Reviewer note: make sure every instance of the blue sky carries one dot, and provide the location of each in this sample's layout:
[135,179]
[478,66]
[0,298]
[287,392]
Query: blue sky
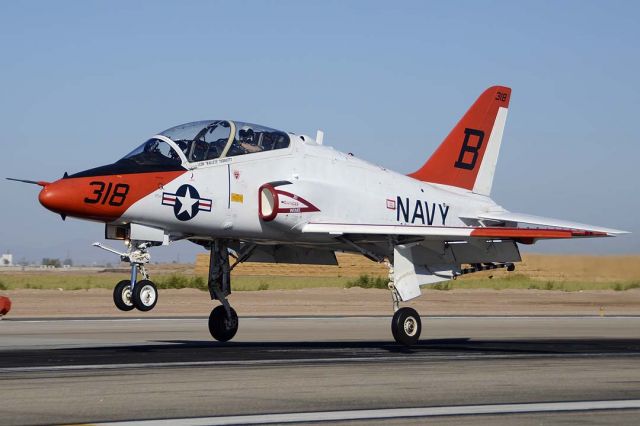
[85,82]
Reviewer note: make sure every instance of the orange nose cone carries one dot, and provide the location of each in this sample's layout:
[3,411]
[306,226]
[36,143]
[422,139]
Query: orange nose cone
[52,198]
[85,198]
[63,197]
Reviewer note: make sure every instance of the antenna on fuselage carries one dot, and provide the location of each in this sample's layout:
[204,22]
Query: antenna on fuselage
[319,137]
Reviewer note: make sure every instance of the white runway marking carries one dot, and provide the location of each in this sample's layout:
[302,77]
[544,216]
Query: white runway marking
[391,413]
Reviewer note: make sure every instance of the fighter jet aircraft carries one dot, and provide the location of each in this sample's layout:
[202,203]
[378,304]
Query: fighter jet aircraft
[263,195]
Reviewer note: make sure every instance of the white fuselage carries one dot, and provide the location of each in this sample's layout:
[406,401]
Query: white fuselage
[343,188]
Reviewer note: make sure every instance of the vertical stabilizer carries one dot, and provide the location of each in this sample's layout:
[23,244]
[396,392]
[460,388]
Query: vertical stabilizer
[468,156]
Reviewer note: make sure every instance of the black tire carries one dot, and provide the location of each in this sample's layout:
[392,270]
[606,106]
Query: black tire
[406,326]
[145,295]
[222,328]
[122,296]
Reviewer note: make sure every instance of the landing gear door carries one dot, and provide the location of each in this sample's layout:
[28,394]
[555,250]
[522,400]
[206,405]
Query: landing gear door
[411,270]
[145,233]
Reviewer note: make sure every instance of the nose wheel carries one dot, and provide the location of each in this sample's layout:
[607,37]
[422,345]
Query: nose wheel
[122,296]
[145,295]
[143,298]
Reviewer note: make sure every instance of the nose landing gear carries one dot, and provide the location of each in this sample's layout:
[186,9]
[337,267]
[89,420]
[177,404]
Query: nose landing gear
[129,294]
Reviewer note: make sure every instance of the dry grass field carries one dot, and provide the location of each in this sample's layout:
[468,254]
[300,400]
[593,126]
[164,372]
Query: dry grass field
[561,272]
[539,272]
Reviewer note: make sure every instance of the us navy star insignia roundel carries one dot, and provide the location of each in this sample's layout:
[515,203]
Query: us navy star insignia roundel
[186,202]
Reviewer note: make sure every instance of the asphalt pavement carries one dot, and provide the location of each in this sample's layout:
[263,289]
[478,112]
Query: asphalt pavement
[509,370]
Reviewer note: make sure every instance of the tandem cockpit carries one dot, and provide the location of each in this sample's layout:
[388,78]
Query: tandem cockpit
[202,141]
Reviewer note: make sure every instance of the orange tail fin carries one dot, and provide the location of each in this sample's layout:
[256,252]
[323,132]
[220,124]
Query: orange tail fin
[468,156]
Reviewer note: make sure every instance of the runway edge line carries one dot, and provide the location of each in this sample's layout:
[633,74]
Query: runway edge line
[538,407]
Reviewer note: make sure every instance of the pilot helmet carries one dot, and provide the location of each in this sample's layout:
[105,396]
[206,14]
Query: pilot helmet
[246,134]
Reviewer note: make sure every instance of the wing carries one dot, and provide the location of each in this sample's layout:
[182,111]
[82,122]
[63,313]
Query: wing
[436,253]
[505,226]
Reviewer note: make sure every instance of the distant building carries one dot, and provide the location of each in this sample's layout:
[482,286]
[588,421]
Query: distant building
[6,260]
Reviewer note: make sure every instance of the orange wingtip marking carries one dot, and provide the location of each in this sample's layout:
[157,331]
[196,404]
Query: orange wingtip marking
[528,235]
[521,233]
[588,234]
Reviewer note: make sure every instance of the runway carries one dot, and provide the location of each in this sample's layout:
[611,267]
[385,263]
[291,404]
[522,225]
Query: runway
[466,370]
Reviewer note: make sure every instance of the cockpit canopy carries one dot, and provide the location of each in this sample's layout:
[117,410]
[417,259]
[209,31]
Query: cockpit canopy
[208,140]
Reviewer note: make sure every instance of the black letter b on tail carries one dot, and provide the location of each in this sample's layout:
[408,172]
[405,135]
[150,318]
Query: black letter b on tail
[471,149]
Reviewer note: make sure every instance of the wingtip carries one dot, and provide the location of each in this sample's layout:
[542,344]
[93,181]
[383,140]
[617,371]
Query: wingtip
[617,233]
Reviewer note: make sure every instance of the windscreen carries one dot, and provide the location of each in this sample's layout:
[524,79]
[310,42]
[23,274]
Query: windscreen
[153,152]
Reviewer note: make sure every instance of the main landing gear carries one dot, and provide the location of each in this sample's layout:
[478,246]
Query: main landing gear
[405,324]
[130,294]
[223,321]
